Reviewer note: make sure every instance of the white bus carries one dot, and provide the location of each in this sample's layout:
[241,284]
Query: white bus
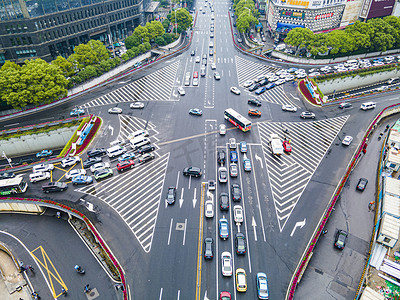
[237,119]
[16,185]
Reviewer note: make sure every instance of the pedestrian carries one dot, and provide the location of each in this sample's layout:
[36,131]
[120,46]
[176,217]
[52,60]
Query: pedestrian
[325,231]
[58,215]
[369,206]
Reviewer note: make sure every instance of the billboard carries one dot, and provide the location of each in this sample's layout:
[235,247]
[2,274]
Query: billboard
[380,8]
[293,14]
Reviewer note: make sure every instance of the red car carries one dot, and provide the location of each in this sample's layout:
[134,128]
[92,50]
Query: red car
[127,164]
[225,296]
[195,75]
[287,147]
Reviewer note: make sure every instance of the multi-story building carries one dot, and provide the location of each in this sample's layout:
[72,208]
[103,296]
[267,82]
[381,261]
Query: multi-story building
[49,28]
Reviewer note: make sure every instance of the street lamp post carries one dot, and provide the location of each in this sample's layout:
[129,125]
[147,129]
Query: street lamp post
[8,159]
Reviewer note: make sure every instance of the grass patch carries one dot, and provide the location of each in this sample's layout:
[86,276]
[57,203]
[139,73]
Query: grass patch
[73,138]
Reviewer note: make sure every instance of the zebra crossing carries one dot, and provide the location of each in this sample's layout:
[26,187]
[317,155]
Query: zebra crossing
[277,96]
[289,174]
[129,124]
[157,86]
[249,70]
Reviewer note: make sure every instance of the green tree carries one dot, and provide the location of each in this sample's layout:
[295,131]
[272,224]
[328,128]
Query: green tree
[381,37]
[125,56]
[10,65]
[183,18]
[66,67]
[142,33]
[154,29]
[395,23]
[88,54]
[242,24]
[87,73]
[160,41]
[141,48]
[168,37]
[133,52]
[299,37]
[132,41]
[147,46]
[165,24]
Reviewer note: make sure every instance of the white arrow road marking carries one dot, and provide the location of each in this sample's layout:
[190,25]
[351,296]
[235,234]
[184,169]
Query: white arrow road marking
[238,226]
[298,224]
[253,223]
[259,159]
[166,203]
[111,129]
[174,94]
[205,296]
[194,198]
[181,200]
[294,96]
[190,180]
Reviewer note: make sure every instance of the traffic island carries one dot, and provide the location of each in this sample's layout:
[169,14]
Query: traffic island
[310,91]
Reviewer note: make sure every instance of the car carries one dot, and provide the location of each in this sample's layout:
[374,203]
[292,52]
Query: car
[126,156]
[69,161]
[44,153]
[226,263]
[42,168]
[202,71]
[262,286]
[211,52]
[82,179]
[77,112]
[192,171]
[225,296]
[146,157]
[288,78]
[243,146]
[91,161]
[224,201]
[103,173]
[307,115]
[209,209]
[222,129]
[254,87]
[362,184]
[382,88]
[240,243]
[204,61]
[259,78]
[270,85]
[193,53]
[6,175]
[99,166]
[54,186]
[211,34]
[75,172]
[260,90]
[241,281]
[208,248]
[340,239]
[137,105]
[181,91]
[232,143]
[287,147]
[238,214]
[347,140]
[222,175]
[254,113]
[292,70]
[301,75]
[223,228]
[247,165]
[233,170]
[289,107]
[126,164]
[213,66]
[248,83]
[233,156]
[195,81]
[273,78]
[318,73]
[211,185]
[235,90]
[221,156]
[280,81]
[345,105]
[171,195]
[146,148]
[217,76]
[197,59]
[195,75]
[115,110]
[195,112]
[96,152]
[236,192]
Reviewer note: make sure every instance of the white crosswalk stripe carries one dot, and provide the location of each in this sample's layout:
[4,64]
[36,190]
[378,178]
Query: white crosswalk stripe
[277,96]
[249,70]
[131,124]
[157,86]
[289,174]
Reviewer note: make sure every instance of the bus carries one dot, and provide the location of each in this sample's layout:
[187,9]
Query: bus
[237,119]
[16,185]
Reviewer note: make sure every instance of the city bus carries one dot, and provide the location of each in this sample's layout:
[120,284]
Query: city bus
[237,119]
[16,185]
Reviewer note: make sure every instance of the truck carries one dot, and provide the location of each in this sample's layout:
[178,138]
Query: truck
[276,144]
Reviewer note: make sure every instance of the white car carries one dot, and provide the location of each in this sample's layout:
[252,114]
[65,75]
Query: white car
[299,71]
[222,174]
[138,105]
[209,209]
[195,82]
[238,214]
[197,59]
[280,81]
[213,66]
[235,90]
[281,71]
[269,75]
[42,168]
[222,129]
[315,74]
[284,75]
[181,91]
[71,174]
[378,63]
[273,78]
[226,264]
[347,140]
[301,75]
[115,110]
[99,166]
[233,170]
[259,78]
[289,107]
[290,77]
[248,83]
[69,161]
[232,143]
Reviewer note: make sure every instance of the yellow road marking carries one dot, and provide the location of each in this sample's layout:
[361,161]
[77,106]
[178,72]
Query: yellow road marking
[200,245]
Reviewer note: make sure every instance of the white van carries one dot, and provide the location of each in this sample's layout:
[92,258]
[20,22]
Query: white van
[351,62]
[115,143]
[135,134]
[280,47]
[38,176]
[139,142]
[368,105]
[115,151]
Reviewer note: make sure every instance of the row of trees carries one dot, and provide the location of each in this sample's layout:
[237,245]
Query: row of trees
[246,13]
[373,35]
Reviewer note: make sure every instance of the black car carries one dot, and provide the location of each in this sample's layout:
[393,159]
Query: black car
[6,175]
[96,152]
[208,248]
[171,195]
[254,102]
[254,87]
[192,171]
[146,148]
[345,105]
[91,161]
[146,157]
[240,243]
[362,184]
[224,201]
[264,82]
[340,239]
[55,186]
[236,192]
[221,157]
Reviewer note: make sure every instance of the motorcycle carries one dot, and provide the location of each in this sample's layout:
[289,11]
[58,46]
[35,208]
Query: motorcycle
[79,269]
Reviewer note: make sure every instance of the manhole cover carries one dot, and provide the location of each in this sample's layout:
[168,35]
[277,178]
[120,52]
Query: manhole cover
[180,226]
